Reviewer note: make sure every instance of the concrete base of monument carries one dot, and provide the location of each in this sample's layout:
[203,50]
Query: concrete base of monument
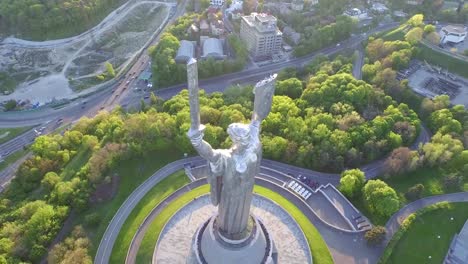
[210,246]
[174,244]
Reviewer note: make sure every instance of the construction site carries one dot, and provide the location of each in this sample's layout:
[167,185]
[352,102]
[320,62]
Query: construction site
[45,71]
[430,80]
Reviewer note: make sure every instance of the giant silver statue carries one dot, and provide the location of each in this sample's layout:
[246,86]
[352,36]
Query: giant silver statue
[232,171]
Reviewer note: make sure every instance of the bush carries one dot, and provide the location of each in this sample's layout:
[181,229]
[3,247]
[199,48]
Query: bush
[452,181]
[376,235]
[414,192]
[10,105]
[92,219]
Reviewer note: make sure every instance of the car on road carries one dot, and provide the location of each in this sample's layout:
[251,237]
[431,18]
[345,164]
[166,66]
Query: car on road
[146,97]
[60,121]
[127,82]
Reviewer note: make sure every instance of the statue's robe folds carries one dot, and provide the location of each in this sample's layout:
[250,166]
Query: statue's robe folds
[232,178]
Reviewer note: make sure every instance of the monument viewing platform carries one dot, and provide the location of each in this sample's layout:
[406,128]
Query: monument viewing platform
[175,240]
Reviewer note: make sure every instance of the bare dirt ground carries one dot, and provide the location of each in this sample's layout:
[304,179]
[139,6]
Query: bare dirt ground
[63,68]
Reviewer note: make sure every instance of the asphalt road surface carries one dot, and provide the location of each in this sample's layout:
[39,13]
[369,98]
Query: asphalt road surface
[76,109]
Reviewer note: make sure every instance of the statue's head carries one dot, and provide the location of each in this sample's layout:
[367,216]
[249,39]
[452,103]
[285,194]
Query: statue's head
[239,134]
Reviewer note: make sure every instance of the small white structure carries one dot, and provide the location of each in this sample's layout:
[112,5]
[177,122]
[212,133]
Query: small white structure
[357,14]
[216,2]
[297,5]
[414,2]
[312,2]
[213,48]
[185,52]
[452,33]
[379,8]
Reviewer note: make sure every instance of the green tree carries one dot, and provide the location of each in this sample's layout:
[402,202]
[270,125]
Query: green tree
[290,87]
[10,105]
[416,20]
[380,198]
[50,180]
[351,182]
[414,35]
[110,69]
[429,29]
[441,149]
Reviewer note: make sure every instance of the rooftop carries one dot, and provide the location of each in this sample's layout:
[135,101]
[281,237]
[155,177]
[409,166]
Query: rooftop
[212,47]
[262,22]
[455,29]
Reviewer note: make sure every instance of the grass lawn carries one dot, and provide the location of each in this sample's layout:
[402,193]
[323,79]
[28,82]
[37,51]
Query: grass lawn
[145,252]
[421,241]
[10,133]
[431,178]
[396,34]
[144,207]
[78,161]
[318,247]
[13,158]
[132,173]
[453,65]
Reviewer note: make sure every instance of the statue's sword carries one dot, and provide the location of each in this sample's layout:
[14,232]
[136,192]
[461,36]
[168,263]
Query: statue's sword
[192,80]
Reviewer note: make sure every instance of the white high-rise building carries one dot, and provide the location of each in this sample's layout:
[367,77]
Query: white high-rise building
[261,34]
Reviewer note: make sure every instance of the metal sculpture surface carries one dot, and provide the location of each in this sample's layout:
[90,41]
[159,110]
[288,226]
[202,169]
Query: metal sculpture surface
[232,170]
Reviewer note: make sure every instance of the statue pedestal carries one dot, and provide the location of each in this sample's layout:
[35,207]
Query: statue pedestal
[209,246]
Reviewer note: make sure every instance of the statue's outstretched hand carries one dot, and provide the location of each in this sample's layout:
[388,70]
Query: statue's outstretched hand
[196,134]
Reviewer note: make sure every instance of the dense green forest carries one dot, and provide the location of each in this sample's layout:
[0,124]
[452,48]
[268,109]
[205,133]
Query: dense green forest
[46,19]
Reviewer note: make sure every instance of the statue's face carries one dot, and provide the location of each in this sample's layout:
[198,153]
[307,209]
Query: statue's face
[239,134]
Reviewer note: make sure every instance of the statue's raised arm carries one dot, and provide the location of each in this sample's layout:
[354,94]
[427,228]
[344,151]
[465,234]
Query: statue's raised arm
[195,133]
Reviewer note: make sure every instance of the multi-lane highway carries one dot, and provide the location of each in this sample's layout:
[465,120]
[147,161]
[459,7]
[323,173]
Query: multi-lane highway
[215,84]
